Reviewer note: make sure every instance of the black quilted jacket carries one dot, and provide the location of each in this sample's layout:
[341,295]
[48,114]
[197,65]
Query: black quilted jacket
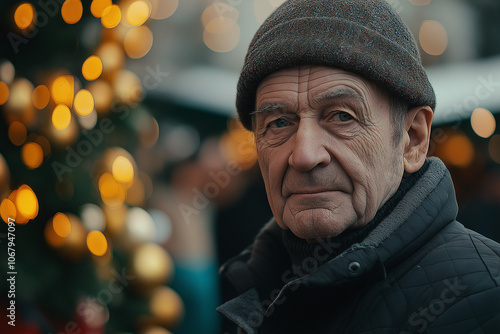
[418,271]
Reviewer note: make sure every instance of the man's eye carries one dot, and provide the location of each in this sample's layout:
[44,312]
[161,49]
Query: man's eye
[279,123]
[342,116]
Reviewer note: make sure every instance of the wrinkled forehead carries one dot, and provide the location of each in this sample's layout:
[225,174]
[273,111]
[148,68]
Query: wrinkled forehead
[316,80]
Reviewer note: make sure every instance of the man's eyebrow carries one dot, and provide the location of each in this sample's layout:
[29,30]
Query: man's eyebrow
[269,108]
[338,94]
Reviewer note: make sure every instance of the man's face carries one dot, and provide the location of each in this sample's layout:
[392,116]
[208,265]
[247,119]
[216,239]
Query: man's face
[325,149]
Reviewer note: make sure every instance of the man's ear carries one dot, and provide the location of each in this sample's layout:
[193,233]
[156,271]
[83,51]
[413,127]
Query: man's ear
[418,129]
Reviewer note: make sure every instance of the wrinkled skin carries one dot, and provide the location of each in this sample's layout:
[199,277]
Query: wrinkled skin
[325,146]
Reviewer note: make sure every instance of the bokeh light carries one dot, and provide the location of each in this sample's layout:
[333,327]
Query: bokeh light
[4,92]
[161,9]
[127,87]
[152,264]
[61,225]
[483,122]
[148,130]
[7,71]
[138,12]
[103,95]
[138,42]
[238,145]
[111,55]
[167,306]
[63,90]
[66,136]
[71,11]
[32,155]
[27,202]
[19,101]
[111,16]
[122,169]
[17,133]
[51,236]
[457,150]
[97,243]
[136,193]
[112,192]
[221,34]
[433,37]
[97,7]
[180,141]
[89,121]
[25,16]
[92,68]
[163,225]
[20,219]
[61,117]
[41,96]
[219,11]
[140,226]
[93,217]
[84,102]
[73,246]
[8,210]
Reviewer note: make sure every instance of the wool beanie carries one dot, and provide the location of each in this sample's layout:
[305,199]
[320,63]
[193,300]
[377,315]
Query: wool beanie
[365,37]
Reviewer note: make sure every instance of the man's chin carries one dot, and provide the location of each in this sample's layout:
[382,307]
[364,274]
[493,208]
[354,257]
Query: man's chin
[316,227]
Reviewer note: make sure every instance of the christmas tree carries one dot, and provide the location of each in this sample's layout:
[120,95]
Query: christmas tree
[78,251]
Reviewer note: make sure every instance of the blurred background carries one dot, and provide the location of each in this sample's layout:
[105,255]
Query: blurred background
[127,180]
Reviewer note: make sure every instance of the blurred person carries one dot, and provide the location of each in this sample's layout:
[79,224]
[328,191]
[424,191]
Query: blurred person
[364,237]
[191,244]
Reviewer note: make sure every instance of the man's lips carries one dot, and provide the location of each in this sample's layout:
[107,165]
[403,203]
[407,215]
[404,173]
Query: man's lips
[308,191]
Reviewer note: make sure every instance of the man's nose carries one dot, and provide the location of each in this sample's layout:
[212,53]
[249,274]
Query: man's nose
[309,148]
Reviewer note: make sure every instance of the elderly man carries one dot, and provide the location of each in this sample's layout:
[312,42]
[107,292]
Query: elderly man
[364,237]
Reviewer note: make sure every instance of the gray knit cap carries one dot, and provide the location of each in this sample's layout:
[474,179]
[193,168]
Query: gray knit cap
[366,37]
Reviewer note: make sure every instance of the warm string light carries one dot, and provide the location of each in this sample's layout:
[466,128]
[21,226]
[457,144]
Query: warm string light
[138,12]
[25,16]
[21,205]
[71,11]
[97,243]
[92,68]
[32,155]
[483,122]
